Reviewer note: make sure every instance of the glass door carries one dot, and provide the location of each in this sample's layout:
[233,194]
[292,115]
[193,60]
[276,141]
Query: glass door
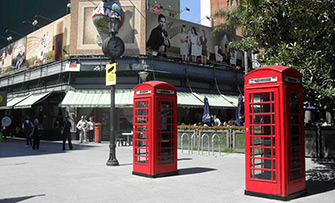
[295,129]
[263,136]
[141,132]
[165,132]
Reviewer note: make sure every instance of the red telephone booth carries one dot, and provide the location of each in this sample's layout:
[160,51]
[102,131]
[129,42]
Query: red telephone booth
[274,133]
[155,129]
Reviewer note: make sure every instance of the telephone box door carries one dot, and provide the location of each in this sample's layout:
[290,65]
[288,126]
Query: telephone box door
[141,135]
[166,143]
[262,140]
[296,148]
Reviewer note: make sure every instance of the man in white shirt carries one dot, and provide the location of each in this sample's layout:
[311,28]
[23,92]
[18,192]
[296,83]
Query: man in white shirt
[217,121]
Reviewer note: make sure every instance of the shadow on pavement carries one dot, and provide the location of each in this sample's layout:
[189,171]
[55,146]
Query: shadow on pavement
[18,199]
[16,147]
[322,178]
[190,171]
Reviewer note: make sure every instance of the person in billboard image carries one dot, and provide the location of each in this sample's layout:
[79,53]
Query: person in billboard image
[184,44]
[203,42]
[195,45]
[19,59]
[159,41]
[43,49]
[2,64]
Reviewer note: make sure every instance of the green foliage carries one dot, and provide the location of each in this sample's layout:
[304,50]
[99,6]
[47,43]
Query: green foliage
[295,33]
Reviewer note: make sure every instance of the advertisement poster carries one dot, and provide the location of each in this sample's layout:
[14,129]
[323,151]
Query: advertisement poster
[19,54]
[48,43]
[6,58]
[171,37]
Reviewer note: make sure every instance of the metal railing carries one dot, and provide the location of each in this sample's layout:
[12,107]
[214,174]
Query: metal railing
[319,141]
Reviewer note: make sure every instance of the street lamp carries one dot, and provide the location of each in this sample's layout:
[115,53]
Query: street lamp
[34,23]
[107,18]
[143,75]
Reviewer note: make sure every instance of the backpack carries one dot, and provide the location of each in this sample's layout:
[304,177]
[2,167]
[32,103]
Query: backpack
[27,127]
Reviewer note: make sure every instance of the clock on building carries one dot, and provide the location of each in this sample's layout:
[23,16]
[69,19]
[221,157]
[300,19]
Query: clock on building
[113,47]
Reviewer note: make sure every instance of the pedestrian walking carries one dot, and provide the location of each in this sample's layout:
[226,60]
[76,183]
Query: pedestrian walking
[37,134]
[27,128]
[90,125]
[83,129]
[67,133]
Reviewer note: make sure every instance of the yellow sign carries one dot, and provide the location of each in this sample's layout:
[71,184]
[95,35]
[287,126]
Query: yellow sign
[3,98]
[111,74]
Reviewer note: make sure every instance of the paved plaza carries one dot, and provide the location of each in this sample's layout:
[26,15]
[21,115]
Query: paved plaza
[81,175]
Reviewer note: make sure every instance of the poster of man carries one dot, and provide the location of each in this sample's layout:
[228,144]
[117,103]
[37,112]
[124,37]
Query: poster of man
[158,41]
[19,54]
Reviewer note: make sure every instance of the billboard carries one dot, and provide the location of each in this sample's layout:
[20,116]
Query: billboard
[6,58]
[85,39]
[172,37]
[49,43]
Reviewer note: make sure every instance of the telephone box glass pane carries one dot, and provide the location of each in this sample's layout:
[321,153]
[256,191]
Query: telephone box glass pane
[166,152]
[294,97]
[166,136]
[142,104]
[142,112]
[142,128]
[262,119]
[295,151]
[166,112]
[261,97]
[295,174]
[295,163]
[142,135]
[142,152]
[141,143]
[294,108]
[262,108]
[142,119]
[263,130]
[295,130]
[166,143]
[165,160]
[294,119]
[166,104]
[263,175]
[142,159]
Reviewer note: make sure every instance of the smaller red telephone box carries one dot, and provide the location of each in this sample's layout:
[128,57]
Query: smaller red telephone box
[274,133]
[155,129]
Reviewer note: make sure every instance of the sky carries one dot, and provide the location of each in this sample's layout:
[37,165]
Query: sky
[194,14]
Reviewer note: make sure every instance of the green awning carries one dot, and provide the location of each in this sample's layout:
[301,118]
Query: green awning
[29,101]
[216,100]
[188,99]
[13,101]
[124,99]
[97,99]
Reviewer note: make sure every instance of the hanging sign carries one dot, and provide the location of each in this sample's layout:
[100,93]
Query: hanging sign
[3,98]
[111,74]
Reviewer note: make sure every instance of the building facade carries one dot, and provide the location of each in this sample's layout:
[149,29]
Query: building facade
[59,70]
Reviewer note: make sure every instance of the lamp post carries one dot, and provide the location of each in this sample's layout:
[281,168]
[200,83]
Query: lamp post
[113,27]
[108,18]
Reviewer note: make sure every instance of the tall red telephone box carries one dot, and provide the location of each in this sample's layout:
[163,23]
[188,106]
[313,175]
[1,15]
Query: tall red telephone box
[274,133]
[155,129]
